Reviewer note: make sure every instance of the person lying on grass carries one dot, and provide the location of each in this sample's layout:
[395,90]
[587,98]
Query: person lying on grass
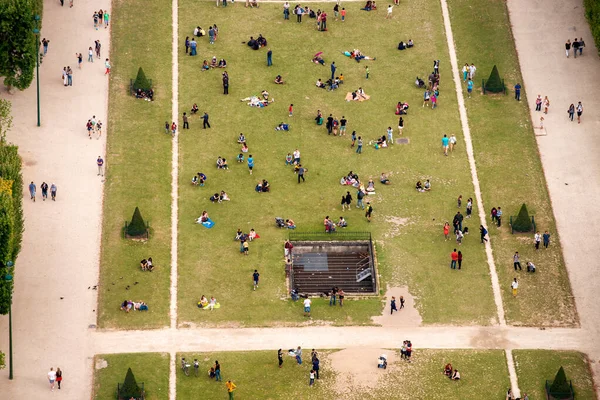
[255,101]
[282,127]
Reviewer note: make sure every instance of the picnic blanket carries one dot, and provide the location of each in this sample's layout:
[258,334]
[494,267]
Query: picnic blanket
[349,97]
[206,307]
[208,223]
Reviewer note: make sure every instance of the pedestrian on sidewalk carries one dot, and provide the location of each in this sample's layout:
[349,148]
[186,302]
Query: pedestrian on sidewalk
[45,45]
[546,238]
[98,47]
[186,124]
[69,76]
[99,129]
[205,122]
[393,306]
[568,47]
[106,17]
[401,302]
[255,277]
[58,377]
[230,388]
[100,164]
[173,129]
[538,103]
[44,187]
[571,111]
[581,46]
[460,258]
[546,104]
[79,59]
[517,261]
[280,357]
[53,192]
[537,238]
[579,109]
[107,65]
[269,58]
[32,189]
[518,92]
[575,47]
[90,55]
[217,371]
[96,17]
[453,259]
[515,286]
[52,378]
[299,349]
[483,232]
[70,3]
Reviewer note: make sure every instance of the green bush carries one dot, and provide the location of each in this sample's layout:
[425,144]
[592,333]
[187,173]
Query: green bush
[560,389]
[592,12]
[523,221]
[494,83]
[130,387]
[137,226]
[141,82]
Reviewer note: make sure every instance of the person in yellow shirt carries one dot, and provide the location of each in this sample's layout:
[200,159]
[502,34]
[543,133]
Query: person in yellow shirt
[230,388]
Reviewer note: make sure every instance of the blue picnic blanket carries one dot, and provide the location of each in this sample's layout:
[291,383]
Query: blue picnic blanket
[208,223]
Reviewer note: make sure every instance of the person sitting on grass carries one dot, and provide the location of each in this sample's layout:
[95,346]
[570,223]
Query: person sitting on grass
[201,178]
[214,198]
[448,370]
[202,218]
[262,186]
[319,118]
[290,224]
[241,138]
[223,196]
[194,108]
[144,264]
[149,264]
[419,83]
[195,180]
[419,186]
[222,63]
[370,186]
[282,127]
[211,373]
[530,267]
[240,158]
[127,305]
[238,234]
[253,43]
[265,95]
[279,80]
[410,44]
[329,225]
[401,108]
[289,159]
[244,148]
[253,235]
[380,142]
[262,42]
[203,302]
[455,375]
[368,6]
[320,84]
[384,179]
[204,66]
[213,62]
[427,186]
[401,45]
[342,223]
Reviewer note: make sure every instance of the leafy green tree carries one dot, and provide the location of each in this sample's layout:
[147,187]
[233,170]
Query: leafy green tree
[7,237]
[141,82]
[5,118]
[560,389]
[523,222]
[592,12]
[494,83]
[137,226]
[130,387]
[18,44]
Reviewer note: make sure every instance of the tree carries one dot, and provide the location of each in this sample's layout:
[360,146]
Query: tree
[560,389]
[592,12]
[5,118]
[523,222]
[141,82]
[7,237]
[130,387]
[18,44]
[137,226]
[494,83]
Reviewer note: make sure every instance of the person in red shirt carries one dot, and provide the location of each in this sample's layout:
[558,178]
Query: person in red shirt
[454,257]
[291,109]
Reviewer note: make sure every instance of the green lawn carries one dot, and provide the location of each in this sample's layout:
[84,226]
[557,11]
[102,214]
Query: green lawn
[151,369]
[509,167]
[138,163]
[407,225]
[483,373]
[534,367]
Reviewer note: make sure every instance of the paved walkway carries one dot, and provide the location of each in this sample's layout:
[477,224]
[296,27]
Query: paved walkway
[52,304]
[570,151]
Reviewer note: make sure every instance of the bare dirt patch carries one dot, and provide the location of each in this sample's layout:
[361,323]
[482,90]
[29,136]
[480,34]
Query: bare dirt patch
[408,316]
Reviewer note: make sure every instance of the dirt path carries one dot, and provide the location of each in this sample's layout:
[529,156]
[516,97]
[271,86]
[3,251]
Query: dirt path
[570,151]
[52,304]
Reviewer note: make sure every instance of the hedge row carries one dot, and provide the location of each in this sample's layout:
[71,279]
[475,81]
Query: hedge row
[592,12]
[11,218]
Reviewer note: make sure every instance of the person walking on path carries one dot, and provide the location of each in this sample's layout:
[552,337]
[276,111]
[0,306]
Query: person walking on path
[217,371]
[58,377]
[280,358]
[537,239]
[515,286]
[107,66]
[32,189]
[581,46]
[90,55]
[205,122]
[250,163]
[45,43]
[333,68]
[568,47]
[459,259]
[546,104]
[369,211]
[579,109]
[186,124]
[100,164]
[445,144]
[269,58]
[518,92]
[255,277]
[401,302]
[393,305]
[546,238]
[454,259]
[571,111]
[483,232]
[315,363]
[298,352]
[230,388]
[97,46]
[44,187]
[301,171]
[52,378]
[517,261]
[575,47]
[53,192]
[106,18]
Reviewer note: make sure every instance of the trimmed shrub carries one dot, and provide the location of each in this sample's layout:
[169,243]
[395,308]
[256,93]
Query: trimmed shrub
[494,83]
[137,226]
[592,12]
[523,221]
[130,387]
[560,388]
[141,82]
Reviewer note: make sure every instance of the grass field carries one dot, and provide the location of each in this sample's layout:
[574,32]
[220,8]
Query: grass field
[509,167]
[407,225]
[257,376]
[152,369]
[138,170]
[534,367]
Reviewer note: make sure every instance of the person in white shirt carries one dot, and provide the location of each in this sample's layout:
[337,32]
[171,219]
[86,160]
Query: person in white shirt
[307,303]
[389,11]
[537,238]
[514,285]
[52,378]
[297,156]
[452,142]
[530,266]
[472,70]
[455,375]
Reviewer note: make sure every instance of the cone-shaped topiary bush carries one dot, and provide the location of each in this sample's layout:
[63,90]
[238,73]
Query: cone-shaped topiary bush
[137,227]
[523,221]
[494,83]
[560,388]
[130,387]
[141,82]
